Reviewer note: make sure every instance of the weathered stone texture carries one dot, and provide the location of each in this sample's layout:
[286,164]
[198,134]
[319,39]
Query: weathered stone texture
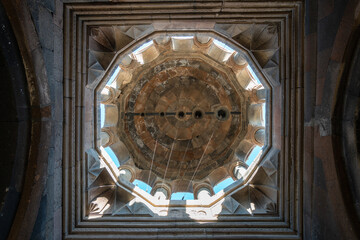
[319,169]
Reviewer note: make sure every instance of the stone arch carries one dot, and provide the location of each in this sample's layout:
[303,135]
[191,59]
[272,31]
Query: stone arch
[346,128]
[36,160]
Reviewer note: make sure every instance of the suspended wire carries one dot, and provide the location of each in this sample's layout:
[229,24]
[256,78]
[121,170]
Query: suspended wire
[197,167]
[182,161]
[152,161]
[167,165]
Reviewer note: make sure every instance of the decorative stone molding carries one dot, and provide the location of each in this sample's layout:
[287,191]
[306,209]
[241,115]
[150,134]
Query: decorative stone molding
[257,95]
[218,175]
[163,188]
[203,42]
[237,62]
[256,136]
[109,95]
[163,43]
[104,139]
[238,169]
[127,172]
[141,111]
[259,136]
[198,188]
[107,137]
[265,202]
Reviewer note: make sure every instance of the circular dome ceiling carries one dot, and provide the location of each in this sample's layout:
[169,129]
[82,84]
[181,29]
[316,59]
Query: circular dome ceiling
[178,109]
[186,114]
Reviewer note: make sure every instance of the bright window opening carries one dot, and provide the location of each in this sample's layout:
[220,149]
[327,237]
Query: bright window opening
[102,115]
[117,111]
[255,153]
[138,52]
[264,113]
[183,37]
[182,196]
[113,76]
[142,47]
[112,156]
[255,81]
[224,46]
[142,185]
[223,184]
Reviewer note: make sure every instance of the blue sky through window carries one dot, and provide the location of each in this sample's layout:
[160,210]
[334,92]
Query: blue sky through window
[102,115]
[142,185]
[113,76]
[183,37]
[223,45]
[223,184]
[254,75]
[142,47]
[112,156]
[179,195]
[182,196]
[264,113]
[254,153]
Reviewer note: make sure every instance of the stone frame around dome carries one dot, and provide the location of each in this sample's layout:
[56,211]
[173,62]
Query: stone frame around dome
[228,65]
[283,218]
[230,69]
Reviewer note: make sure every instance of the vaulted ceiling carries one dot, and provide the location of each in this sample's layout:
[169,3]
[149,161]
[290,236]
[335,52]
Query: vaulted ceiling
[176,95]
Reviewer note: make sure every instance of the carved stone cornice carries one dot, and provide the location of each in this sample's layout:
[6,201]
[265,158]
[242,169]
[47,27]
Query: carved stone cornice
[267,199]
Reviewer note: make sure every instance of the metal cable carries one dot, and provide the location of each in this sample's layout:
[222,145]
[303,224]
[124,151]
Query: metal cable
[152,161]
[182,161]
[197,167]
[172,148]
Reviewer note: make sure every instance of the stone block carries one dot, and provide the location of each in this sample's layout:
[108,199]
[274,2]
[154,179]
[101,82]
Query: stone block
[46,28]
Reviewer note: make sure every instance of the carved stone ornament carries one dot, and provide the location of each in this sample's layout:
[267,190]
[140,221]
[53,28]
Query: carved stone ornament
[181,104]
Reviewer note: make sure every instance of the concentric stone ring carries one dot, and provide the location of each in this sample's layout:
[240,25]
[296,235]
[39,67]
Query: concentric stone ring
[187,91]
